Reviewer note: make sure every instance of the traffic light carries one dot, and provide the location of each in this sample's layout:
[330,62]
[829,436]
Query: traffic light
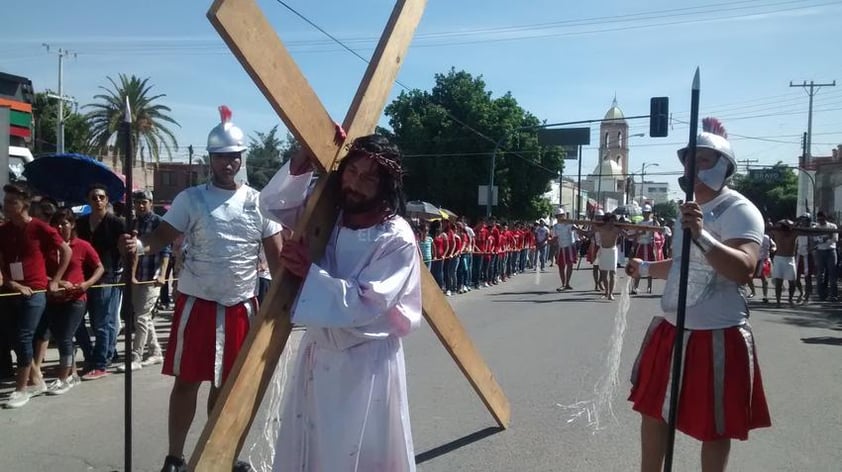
[659,111]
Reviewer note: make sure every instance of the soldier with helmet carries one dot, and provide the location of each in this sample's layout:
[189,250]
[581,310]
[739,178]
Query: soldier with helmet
[721,391]
[223,229]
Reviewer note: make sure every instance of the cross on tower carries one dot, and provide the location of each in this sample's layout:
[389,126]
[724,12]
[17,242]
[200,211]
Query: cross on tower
[261,52]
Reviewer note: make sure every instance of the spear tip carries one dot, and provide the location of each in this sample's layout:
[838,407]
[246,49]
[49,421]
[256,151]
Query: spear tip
[127,111]
[696,80]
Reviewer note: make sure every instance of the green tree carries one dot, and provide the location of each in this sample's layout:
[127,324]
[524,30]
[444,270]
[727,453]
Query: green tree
[150,120]
[666,210]
[446,160]
[263,157]
[76,128]
[773,190]
[266,154]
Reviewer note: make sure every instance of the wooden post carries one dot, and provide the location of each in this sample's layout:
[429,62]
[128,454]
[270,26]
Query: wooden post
[266,60]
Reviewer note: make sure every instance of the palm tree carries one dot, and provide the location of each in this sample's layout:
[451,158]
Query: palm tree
[149,119]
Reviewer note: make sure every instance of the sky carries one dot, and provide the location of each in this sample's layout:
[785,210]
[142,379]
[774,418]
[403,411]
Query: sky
[561,60]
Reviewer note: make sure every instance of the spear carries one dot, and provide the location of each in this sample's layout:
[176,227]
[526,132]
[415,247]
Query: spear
[690,175]
[128,308]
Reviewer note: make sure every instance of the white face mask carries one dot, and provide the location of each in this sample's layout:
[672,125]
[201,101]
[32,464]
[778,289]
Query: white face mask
[714,178]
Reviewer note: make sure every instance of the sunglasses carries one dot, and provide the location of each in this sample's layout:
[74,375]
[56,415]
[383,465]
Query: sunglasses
[99,196]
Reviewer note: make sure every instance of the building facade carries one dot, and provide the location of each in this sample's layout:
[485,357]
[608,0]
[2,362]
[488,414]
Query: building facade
[655,192]
[170,178]
[609,181]
[827,172]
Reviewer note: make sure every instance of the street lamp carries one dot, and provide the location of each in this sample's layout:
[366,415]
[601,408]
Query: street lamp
[642,176]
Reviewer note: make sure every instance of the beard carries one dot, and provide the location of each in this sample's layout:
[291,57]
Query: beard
[355,203]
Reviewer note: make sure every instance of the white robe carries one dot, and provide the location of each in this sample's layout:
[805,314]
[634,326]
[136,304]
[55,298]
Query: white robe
[346,406]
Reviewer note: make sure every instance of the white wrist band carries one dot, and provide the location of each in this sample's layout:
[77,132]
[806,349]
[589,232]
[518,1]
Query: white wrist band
[140,250]
[705,241]
[643,269]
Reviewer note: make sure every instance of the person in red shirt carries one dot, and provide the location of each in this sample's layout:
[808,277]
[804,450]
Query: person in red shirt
[455,241]
[24,242]
[505,251]
[479,265]
[439,251]
[66,308]
[495,248]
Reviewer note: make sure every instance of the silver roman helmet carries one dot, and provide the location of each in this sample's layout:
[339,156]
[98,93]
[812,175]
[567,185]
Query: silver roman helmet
[714,136]
[226,137]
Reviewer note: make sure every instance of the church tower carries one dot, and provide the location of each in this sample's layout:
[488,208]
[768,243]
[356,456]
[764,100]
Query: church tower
[613,144]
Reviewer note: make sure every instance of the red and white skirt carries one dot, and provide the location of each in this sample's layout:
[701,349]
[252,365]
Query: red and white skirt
[721,394]
[205,338]
[646,252]
[567,255]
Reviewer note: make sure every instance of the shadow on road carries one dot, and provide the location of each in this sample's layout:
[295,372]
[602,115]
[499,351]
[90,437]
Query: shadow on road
[814,315]
[828,340]
[453,445]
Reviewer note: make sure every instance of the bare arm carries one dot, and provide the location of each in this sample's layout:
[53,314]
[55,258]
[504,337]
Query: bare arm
[736,259]
[162,271]
[94,277]
[64,255]
[135,260]
[272,248]
[163,235]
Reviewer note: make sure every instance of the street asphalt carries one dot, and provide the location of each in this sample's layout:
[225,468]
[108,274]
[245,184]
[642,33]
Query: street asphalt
[547,350]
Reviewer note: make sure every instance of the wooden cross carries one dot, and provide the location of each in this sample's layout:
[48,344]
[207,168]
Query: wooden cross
[260,51]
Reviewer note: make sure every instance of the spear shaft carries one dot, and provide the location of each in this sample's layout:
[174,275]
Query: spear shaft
[128,308]
[677,358]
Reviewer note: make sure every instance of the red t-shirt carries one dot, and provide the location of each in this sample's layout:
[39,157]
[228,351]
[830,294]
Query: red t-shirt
[507,240]
[529,238]
[438,242]
[27,246]
[482,238]
[451,243]
[83,261]
[495,234]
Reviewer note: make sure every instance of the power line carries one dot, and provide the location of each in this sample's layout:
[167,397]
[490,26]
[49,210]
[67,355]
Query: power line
[445,110]
[700,13]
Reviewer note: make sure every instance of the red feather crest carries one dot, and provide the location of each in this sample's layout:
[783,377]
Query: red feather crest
[712,125]
[224,114]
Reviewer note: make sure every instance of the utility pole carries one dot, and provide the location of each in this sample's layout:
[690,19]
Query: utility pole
[748,162]
[190,171]
[60,97]
[812,88]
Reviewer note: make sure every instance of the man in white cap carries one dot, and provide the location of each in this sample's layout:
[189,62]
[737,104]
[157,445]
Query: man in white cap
[646,245]
[593,252]
[721,395]
[542,235]
[223,228]
[564,234]
[804,246]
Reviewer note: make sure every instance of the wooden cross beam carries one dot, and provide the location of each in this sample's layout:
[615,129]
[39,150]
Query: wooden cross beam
[260,51]
[654,229]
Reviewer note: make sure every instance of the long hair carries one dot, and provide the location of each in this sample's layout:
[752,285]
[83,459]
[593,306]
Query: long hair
[388,157]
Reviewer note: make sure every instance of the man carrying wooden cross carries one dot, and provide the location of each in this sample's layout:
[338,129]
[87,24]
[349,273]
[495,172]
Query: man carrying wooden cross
[346,408]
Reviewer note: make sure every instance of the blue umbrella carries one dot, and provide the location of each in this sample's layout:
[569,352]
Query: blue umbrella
[68,177]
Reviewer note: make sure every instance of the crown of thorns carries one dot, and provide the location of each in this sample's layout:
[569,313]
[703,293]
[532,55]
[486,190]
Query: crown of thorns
[392,165]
